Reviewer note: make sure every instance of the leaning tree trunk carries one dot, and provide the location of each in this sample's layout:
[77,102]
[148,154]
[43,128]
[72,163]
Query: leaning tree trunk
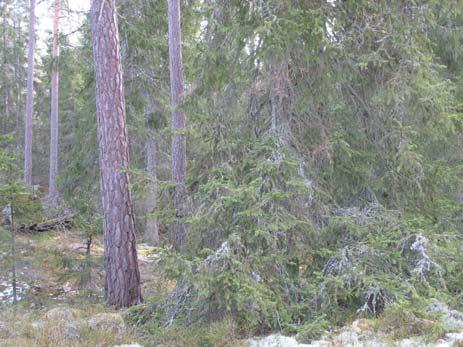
[30,98]
[178,117]
[52,188]
[122,276]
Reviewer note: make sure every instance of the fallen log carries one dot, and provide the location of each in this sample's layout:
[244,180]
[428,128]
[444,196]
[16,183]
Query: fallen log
[56,223]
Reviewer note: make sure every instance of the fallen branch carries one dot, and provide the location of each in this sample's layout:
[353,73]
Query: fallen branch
[57,223]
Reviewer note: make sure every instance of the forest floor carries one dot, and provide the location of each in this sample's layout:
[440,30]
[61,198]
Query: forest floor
[59,291]
[61,297]
[61,304]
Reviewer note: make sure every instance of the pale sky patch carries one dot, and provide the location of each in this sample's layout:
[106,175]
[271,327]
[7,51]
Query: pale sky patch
[70,20]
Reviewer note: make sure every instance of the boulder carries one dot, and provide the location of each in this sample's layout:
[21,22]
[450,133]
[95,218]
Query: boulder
[63,332]
[452,319]
[348,338]
[4,330]
[62,314]
[38,325]
[61,323]
[72,330]
[276,341]
[108,321]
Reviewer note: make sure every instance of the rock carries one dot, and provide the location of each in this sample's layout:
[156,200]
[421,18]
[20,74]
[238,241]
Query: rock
[361,333]
[320,343]
[62,323]
[60,314]
[348,338]
[108,321]
[67,331]
[276,341]
[67,287]
[71,330]
[37,325]
[6,291]
[411,342]
[452,319]
[132,345]
[451,340]
[4,330]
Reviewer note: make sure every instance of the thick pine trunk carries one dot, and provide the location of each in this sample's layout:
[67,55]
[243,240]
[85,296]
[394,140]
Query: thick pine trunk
[52,188]
[178,116]
[30,98]
[122,276]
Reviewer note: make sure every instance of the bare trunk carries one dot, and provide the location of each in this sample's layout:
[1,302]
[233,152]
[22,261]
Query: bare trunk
[122,276]
[52,188]
[17,74]
[13,253]
[150,153]
[178,116]
[5,92]
[30,98]
[280,100]
[152,228]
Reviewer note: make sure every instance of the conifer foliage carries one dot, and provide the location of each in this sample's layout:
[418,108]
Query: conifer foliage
[322,141]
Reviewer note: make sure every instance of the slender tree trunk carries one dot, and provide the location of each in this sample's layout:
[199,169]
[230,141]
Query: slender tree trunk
[178,116]
[13,252]
[152,228]
[122,276]
[30,98]
[52,188]
[5,61]
[17,74]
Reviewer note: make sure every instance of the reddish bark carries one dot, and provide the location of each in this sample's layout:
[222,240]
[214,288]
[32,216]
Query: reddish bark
[30,98]
[122,276]
[52,188]
[178,115]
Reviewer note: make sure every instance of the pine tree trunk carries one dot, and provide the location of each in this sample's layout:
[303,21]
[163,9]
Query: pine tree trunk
[178,116]
[152,228]
[122,276]
[5,91]
[52,188]
[17,74]
[30,98]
